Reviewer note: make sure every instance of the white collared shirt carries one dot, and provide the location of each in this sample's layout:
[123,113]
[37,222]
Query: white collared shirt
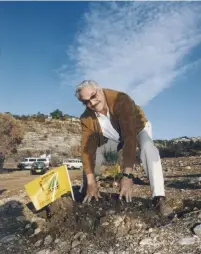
[106,127]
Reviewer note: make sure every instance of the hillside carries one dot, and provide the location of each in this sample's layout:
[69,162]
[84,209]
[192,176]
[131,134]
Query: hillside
[30,136]
[60,138]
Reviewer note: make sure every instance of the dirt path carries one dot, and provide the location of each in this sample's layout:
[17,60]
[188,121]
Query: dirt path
[14,180]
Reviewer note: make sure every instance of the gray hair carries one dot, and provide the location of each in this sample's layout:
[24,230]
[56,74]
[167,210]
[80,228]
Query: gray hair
[85,83]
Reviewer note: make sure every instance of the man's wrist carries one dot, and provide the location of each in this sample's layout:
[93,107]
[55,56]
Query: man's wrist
[91,178]
[128,170]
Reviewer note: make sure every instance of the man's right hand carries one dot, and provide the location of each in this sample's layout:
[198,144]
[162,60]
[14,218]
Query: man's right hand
[92,189]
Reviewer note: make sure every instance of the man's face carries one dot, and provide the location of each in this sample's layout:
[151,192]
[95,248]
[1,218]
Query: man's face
[93,98]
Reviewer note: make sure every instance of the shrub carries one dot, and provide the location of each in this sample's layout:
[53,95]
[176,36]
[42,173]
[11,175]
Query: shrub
[11,133]
[55,161]
[110,156]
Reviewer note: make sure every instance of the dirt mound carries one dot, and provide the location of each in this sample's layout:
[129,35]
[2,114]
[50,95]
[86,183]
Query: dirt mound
[110,226]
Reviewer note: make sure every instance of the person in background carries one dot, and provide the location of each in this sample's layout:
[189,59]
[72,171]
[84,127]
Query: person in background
[113,115]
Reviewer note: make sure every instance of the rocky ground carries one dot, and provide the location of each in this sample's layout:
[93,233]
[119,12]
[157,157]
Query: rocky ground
[109,226]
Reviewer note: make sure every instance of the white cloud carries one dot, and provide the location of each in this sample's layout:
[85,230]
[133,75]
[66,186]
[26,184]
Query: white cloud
[138,48]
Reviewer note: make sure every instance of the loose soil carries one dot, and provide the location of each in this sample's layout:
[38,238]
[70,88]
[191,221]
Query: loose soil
[110,225]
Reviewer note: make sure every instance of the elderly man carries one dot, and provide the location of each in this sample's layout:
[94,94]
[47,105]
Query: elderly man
[114,115]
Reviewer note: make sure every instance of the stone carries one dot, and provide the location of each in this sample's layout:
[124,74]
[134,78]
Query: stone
[110,212]
[146,241]
[123,230]
[186,241]
[75,251]
[48,240]
[43,252]
[83,236]
[34,225]
[37,231]
[77,236]
[20,218]
[197,230]
[75,243]
[37,219]
[7,239]
[104,224]
[118,220]
[187,167]
[57,241]
[38,243]
[28,226]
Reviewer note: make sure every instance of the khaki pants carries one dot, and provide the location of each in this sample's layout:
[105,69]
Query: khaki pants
[151,162]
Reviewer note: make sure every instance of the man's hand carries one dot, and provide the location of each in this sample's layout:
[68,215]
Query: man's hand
[126,185]
[92,189]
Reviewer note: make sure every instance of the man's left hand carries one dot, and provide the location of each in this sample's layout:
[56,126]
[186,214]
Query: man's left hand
[126,185]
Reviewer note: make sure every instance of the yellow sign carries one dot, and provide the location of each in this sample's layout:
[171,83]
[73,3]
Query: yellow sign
[47,188]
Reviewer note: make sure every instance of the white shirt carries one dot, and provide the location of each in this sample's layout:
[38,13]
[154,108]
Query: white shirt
[106,127]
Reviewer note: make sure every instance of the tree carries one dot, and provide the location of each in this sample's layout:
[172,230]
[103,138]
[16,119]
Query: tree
[57,114]
[11,133]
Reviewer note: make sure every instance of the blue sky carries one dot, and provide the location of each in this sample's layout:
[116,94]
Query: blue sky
[150,50]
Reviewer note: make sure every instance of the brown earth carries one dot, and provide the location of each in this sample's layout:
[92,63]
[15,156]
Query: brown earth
[108,226]
[14,180]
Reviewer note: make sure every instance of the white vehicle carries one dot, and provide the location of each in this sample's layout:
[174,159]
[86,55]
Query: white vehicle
[73,163]
[26,163]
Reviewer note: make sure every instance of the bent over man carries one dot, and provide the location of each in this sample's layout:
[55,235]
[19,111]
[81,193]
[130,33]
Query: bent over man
[114,115]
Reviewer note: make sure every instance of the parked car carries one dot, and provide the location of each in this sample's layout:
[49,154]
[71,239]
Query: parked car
[73,163]
[26,163]
[45,160]
[38,167]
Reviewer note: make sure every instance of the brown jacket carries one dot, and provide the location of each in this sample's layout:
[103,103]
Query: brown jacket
[127,119]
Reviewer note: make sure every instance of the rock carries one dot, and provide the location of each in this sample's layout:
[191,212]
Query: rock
[104,224]
[43,252]
[37,231]
[197,230]
[48,240]
[37,219]
[20,218]
[75,251]
[187,167]
[118,220]
[199,216]
[83,236]
[111,212]
[123,230]
[75,243]
[28,226]
[38,243]
[186,241]
[57,241]
[29,232]
[34,225]
[77,236]
[7,239]
[150,230]
[146,241]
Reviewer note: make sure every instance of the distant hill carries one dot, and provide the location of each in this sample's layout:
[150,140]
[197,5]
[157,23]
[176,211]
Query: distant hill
[35,135]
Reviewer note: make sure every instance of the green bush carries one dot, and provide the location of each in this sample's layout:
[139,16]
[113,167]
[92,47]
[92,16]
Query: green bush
[11,133]
[110,156]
